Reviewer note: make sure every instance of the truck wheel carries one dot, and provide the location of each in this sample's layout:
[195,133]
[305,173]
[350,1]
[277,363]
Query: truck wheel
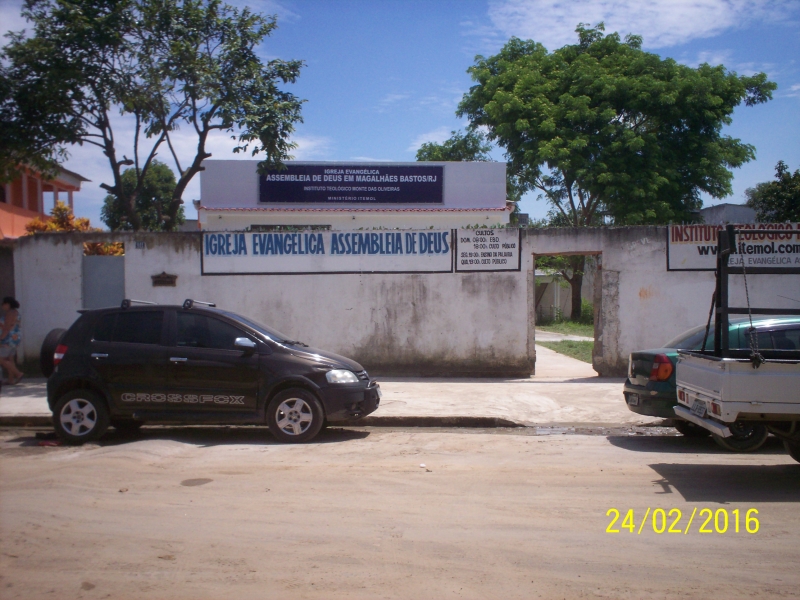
[793,448]
[747,437]
[295,416]
[690,429]
[80,416]
[48,349]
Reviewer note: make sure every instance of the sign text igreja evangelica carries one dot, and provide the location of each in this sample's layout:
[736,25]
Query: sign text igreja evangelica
[382,251]
[332,184]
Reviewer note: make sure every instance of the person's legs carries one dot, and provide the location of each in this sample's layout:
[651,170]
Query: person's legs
[7,362]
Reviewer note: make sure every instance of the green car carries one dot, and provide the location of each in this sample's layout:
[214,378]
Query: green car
[650,387]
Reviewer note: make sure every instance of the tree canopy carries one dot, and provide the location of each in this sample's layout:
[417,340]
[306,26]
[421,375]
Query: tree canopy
[468,146]
[151,200]
[161,64]
[603,126]
[471,145]
[779,200]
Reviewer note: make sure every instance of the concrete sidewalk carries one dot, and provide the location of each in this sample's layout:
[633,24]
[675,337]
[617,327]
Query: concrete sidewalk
[564,392]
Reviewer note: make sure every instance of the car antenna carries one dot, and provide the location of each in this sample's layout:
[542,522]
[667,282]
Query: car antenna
[126,303]
[188,303]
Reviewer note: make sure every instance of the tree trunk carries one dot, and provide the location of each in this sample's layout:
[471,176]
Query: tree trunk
[578,263]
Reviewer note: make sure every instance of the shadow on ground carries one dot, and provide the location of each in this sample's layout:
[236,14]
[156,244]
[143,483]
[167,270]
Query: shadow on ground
[730,483]
[685,445]
[206,437]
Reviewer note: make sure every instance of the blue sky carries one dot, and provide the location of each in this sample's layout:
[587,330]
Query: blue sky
[382,77]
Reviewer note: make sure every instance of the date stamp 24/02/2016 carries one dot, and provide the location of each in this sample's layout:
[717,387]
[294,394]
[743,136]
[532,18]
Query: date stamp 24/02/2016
[662,520]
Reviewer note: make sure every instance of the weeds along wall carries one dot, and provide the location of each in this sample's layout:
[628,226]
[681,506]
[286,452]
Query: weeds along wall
[456,324]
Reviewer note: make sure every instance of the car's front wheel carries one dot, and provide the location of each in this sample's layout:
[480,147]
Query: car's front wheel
[80,416]
[295,415]
[747,437]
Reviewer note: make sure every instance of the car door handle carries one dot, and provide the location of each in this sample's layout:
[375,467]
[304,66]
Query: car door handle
[177,359]
[99,355]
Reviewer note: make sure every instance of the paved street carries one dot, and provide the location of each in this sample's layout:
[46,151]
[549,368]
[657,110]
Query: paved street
[227,512]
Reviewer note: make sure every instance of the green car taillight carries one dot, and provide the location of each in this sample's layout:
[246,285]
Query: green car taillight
[662,368]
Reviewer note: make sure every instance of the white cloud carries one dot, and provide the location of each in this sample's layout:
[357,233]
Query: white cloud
[662,23]
[438,135]
[794,91]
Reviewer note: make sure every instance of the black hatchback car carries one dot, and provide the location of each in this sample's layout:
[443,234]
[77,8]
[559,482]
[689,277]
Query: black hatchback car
[195,364]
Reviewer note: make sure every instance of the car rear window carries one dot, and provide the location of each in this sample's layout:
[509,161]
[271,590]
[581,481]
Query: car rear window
[139,327]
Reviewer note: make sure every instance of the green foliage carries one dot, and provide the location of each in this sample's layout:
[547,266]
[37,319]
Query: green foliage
[777,201]
[602,126]
[469,146]
[567,328]
[579,350]
[587,313]
[163,63]
[151,200]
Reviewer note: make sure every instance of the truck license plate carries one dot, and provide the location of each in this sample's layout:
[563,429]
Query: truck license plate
[699,408]
[633,399]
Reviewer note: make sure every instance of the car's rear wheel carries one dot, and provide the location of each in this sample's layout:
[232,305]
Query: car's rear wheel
[49,344]
[295,415]
[80,416]
[747,437]
[690,429]
[793,448]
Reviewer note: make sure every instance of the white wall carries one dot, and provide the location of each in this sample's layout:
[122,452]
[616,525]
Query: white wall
[396,323]
[451,323]
[643,304]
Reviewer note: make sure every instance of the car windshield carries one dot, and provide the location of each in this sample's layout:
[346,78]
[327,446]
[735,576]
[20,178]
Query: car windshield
[271,333]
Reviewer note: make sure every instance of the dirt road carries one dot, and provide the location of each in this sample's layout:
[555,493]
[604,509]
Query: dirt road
[227,513]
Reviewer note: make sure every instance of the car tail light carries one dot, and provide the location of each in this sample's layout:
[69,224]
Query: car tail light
[61,350]
[662,368]
[681,395]
[715,408]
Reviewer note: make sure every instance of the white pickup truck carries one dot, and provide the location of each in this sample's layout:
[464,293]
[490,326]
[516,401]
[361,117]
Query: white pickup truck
[731,391]
[727,395]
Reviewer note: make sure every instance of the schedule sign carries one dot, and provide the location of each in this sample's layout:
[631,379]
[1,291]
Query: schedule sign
[357,183]
[488,249]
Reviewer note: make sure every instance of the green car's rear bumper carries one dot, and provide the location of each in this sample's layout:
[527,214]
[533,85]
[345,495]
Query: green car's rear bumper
[650,402]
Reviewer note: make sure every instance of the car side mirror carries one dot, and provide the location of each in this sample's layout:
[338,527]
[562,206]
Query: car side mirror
[244,344]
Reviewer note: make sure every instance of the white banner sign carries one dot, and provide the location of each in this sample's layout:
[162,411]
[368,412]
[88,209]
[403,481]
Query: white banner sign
[694,247]
[240,253]
[488,250]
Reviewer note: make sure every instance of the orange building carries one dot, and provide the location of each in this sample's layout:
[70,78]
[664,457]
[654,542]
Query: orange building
[24,199]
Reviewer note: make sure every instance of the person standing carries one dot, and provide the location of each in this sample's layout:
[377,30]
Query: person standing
[10,337]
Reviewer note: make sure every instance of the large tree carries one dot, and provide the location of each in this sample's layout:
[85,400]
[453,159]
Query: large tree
[777,201]
[602,126]
[163,64]
[152,199]
[470,145]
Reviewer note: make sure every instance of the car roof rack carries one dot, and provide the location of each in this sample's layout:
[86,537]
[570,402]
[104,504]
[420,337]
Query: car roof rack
[126,303]
[189,303]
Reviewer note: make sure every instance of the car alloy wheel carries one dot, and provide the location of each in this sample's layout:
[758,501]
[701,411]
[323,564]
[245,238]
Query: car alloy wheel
[295,415]
[80,416]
